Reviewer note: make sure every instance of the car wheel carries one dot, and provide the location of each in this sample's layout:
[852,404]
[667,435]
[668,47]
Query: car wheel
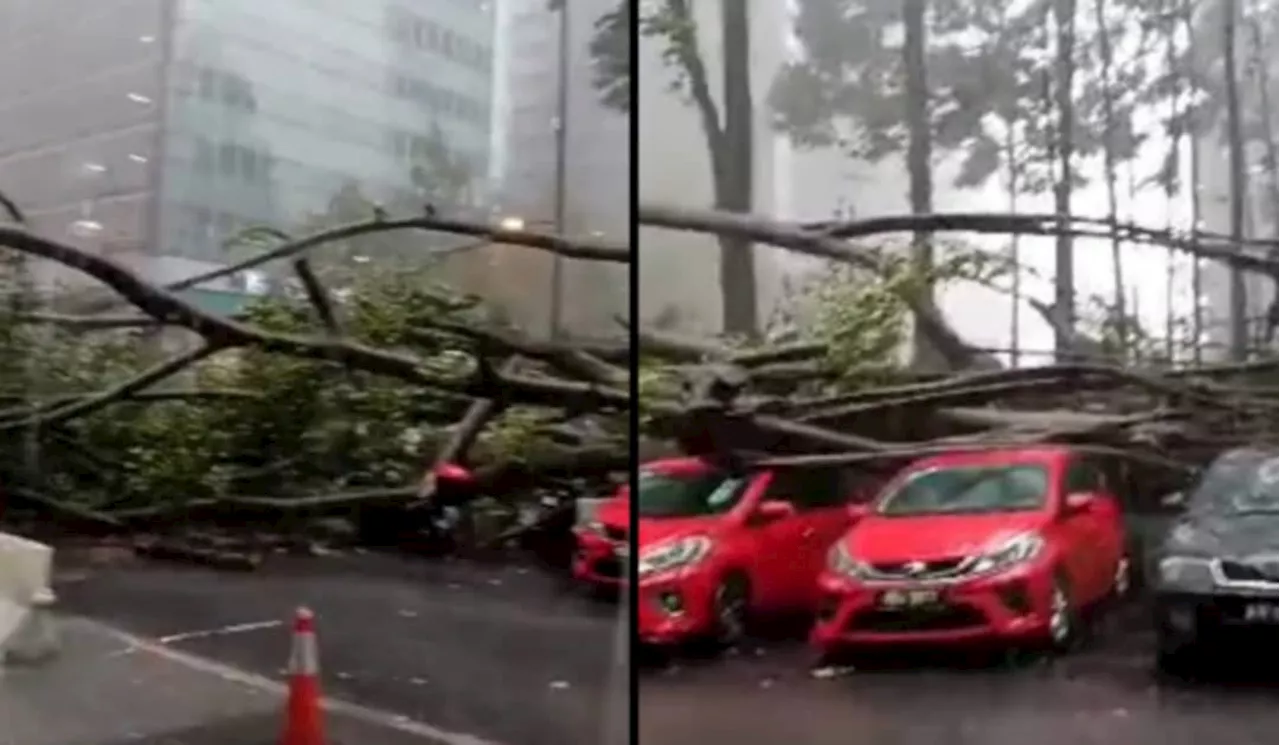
[1174,659]
[1063,618]
[730,606]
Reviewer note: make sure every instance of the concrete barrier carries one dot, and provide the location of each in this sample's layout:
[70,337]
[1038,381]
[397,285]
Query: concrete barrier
[26,600]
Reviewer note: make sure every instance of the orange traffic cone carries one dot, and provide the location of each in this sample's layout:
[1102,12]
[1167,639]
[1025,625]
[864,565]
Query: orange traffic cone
[304,722]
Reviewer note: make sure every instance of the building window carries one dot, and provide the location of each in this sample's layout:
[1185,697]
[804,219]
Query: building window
[439,100]
[227,159]
[407,29]
[207,86]
[203,156]
[226,88]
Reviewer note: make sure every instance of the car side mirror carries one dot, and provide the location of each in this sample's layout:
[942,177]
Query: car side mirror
[1081,501]
[771,511]
[859,511]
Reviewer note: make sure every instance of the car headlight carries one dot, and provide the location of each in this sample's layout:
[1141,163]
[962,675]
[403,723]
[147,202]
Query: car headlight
[1186,573]
[677,554]
[1016,550]
[840,562]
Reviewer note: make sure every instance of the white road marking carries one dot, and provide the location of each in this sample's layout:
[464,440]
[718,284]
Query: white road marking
[365,714]
[238,628]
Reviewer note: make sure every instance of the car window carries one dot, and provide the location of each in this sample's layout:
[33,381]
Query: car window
[811,488]
[968,489]
[1083,475]
[687,495]
[1239,482]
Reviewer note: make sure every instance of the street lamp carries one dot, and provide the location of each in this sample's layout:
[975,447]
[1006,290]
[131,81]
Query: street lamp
[556,320]
[516,223]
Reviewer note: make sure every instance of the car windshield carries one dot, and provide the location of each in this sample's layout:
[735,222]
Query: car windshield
[967,490]
[687,495]
[1239,482]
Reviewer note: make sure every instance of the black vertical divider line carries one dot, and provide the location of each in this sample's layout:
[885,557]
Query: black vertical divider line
[633,584]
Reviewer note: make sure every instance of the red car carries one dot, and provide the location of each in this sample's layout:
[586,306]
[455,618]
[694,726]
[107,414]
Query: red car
[600,562]
[717,547]
[1001,545]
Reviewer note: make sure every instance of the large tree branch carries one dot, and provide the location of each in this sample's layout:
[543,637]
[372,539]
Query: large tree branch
[564,357]
[58,414]
[573,249]
[317,296]
[162,303]
[950,345]
[1199,244]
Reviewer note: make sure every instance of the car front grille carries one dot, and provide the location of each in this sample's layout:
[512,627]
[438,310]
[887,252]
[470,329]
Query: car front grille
[919,570]
[1236,570]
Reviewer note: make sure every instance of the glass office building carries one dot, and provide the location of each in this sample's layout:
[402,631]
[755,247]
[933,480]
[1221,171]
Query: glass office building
[154,129]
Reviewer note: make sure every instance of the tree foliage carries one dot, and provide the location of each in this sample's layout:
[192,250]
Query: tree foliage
[271,425]
[334,387]
[861,318]
[610,52]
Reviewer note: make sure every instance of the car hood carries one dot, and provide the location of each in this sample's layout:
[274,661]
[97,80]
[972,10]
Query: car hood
[934,537]
[1225,535]
[660,530]
[615,513]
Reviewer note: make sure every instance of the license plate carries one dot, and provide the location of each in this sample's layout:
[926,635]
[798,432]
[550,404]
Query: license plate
[1261,613]
[898,599]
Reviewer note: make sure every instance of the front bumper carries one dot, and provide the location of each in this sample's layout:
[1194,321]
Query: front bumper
[600,562]
[1010,606]
[676,606]
[1215,618]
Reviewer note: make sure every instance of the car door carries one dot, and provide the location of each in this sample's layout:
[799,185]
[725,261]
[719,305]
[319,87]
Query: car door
[820,496]
[778,545]
[1085,533]
[828,518]
[1112,530]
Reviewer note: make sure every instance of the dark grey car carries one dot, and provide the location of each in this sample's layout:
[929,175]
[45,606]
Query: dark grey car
[1216,577]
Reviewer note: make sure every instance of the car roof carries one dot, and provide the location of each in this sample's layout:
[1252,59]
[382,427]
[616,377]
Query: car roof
[1043,454]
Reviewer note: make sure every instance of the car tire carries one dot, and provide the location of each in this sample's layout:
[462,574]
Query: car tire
[1064,617]
[1175,661]
[1175,664]
[730,608]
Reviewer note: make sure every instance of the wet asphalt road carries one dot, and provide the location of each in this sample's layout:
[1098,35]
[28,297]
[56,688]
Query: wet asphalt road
[1103,694]
[501,653]
[509,655]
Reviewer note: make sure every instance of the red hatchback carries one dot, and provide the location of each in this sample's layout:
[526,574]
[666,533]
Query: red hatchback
[600,562]
[716,548]
[1004,545]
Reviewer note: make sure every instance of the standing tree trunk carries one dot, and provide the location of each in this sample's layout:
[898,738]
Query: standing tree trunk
[1239,331]
[1195,131]
[1109,166]
[730,145]
[919,156]
[1266,84]
[1172,176]
[734,171]
[1012,184]
[1064,280]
